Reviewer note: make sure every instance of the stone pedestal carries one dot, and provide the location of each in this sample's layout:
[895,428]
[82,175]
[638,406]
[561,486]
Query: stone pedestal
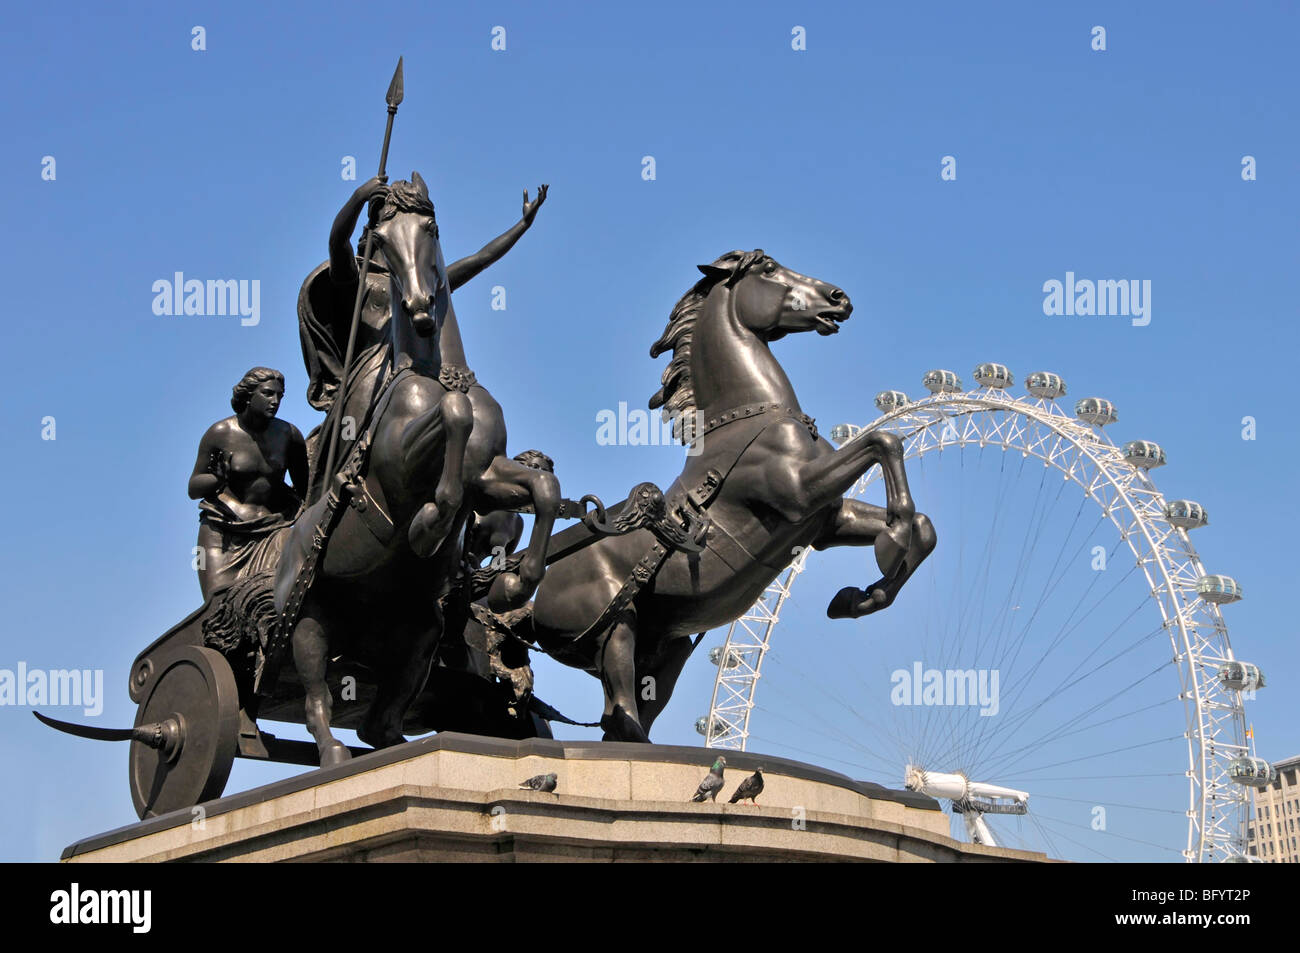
[456,798]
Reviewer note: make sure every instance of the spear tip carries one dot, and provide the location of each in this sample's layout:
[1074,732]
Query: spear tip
[395,92]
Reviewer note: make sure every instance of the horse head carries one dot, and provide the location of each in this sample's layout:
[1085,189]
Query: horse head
[725,322]
[407,232]
[772,300]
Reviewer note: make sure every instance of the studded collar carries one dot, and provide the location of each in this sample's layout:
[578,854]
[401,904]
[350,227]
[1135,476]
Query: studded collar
[754,410]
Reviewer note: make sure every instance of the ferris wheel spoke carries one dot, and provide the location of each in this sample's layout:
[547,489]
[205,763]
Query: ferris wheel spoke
[1137,840]
[1078,843]
[1006,757]
[1101,754]
[846,737]
[1003,623]
[1067,629]
[997,757]
[807,752]
[1001,663]
[1105,803]
[1057,692]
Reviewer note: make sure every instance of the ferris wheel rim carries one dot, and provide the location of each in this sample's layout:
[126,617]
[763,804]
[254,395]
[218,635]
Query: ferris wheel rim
[1212,829]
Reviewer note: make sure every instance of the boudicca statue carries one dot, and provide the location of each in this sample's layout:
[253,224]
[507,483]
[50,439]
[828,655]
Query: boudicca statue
[394,561]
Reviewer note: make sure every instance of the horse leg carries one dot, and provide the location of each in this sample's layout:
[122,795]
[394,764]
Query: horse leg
[855,523]
[663,670]
[403,670]
[820,482]
[617,666]
[438,437]
[310,658]
[893,543]
[506,484]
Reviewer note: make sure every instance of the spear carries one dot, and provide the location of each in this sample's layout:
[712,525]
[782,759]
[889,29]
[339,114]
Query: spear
[393,99]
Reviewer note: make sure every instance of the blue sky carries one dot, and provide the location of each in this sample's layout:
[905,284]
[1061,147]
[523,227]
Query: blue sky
[225,163]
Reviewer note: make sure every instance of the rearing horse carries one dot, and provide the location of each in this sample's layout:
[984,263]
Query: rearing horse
[436,448]
[760,480]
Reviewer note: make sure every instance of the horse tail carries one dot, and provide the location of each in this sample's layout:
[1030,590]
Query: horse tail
[543,710]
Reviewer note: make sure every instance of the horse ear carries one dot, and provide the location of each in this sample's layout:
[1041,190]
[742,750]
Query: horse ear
[418,180]
[724,267]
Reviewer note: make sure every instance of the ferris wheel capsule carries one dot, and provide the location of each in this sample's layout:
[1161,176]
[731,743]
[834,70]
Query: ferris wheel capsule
[842,433]
[1220,590]
[1186,514]
[942,382]
[1241,676]
[890,400]
[1144,453]
[997,376]
[1096,411]
[1243,859]
[1252,772]
[702,726]
[1045,384]
[715,656]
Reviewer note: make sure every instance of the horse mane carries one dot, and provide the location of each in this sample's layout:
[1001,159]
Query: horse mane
[677,395]
[404,196]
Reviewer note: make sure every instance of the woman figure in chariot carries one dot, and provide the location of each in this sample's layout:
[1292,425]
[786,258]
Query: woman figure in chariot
[239,477]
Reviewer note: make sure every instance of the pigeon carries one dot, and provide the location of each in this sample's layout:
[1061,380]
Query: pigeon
[543,782]
[749,788]
[712,784]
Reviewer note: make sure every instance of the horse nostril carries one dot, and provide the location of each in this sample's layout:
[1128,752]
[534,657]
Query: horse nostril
[837,295]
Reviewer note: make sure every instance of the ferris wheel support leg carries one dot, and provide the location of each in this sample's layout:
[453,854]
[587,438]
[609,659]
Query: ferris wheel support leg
[978,830]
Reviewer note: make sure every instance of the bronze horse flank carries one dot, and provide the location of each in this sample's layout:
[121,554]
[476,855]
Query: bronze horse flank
[437,451]
[781,488]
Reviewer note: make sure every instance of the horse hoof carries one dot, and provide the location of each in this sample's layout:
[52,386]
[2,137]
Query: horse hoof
[334,753]
[620,726]
[841,606]
[378,739]
[852,603]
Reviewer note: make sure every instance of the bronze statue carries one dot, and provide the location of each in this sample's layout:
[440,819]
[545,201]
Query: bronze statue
[239,479]
[431,445]
[326,300]
[400,566]
[763,485]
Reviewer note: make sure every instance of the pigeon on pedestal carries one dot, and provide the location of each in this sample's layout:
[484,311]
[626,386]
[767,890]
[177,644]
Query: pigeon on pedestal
[749,788]
[712,784]
[543,782]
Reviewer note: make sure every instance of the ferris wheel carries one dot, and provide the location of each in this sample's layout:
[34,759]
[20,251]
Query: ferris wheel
[1071,684]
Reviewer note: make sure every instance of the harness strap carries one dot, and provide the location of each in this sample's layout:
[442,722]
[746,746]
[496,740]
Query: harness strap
[699,497]
[754,410]
[373,516]
[341,486]
[646,568]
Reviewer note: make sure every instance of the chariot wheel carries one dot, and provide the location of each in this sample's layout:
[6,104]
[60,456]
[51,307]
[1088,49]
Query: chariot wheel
[192,708]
